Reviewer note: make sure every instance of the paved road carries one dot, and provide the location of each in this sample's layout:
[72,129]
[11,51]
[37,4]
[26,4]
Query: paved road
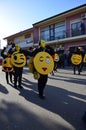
[65,103]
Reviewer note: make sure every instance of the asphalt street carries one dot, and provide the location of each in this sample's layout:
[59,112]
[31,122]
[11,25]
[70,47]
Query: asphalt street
[62,108]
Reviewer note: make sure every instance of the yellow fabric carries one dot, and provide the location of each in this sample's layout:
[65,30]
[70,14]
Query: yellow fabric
[18,59]
[43,43]
[43,63]
[17,47]
[7,65]
[76,59]
[31,65]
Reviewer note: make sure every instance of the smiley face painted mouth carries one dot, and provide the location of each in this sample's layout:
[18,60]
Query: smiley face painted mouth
[44,69]
[18,63]
[8,69]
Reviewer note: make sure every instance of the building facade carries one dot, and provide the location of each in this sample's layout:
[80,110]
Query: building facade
[24,38]
[63,31]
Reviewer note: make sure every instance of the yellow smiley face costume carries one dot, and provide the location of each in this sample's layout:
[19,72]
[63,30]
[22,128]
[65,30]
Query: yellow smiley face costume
[43,63]
[76,59]
[32,69]
[6,65]
[84,60]
[31,65]
[56,57]
[18,59]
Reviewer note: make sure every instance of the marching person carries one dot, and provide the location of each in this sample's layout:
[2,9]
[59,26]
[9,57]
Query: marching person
[76,60]
[18,60]
[5,62]
[42,59]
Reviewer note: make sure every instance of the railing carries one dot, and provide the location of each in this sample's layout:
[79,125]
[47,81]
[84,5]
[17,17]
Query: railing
[64,34]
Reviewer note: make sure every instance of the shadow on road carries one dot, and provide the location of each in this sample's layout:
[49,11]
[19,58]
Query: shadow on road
[14,117]
[69,105]
[3,89]
[69,79]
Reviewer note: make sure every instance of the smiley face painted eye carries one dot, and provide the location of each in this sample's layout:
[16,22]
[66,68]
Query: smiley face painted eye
[5,62]
[47,60]
[15,57]
[41,59]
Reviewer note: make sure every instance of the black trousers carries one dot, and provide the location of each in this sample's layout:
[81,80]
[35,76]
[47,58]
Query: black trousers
[41,83]
[18,75]
[77,67]
[8,74]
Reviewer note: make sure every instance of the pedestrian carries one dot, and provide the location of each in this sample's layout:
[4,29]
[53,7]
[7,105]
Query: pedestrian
[76,60]
[42,63]
[18,60]
[6,65]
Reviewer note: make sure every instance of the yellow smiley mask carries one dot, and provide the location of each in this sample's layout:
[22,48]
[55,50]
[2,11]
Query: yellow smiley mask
[17,47]
[84,60]
[43,63]
[6,65]
[76,59]
[42,43]
[56,57]
[18,59]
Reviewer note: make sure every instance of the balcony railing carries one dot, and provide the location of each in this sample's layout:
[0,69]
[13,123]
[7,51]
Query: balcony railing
[64,34]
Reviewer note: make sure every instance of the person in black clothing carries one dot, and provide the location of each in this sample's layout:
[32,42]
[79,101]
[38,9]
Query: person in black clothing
[43,78]
[18,70]
[83,54]
[18,55]
[8,74]
[77,66]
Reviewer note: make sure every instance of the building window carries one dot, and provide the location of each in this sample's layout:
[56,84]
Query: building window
[60,30]
[53,32]
[44,34]
[17,41]
[77,28]
[27,38]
